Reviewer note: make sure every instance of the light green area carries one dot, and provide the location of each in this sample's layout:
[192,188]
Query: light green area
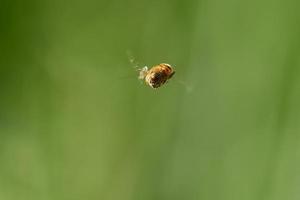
[76,124]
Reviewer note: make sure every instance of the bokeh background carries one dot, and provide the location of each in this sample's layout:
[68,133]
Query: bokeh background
[76,124]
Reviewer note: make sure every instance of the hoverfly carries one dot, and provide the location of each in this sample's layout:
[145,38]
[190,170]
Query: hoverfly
[157,75]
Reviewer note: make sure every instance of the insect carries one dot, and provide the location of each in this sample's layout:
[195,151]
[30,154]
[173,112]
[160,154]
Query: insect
[157,75]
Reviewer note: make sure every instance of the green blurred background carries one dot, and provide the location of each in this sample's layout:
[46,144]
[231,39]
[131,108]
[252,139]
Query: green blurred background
[76,124]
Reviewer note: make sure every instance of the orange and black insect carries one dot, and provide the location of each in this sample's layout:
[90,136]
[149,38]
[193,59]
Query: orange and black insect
[157,75]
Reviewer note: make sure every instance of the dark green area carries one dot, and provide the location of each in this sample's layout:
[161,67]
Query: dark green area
[76,124]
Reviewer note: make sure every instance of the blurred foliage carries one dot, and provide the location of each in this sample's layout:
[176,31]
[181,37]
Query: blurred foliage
[75,123]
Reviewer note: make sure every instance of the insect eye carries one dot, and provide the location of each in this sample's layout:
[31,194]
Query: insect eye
[168,66]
